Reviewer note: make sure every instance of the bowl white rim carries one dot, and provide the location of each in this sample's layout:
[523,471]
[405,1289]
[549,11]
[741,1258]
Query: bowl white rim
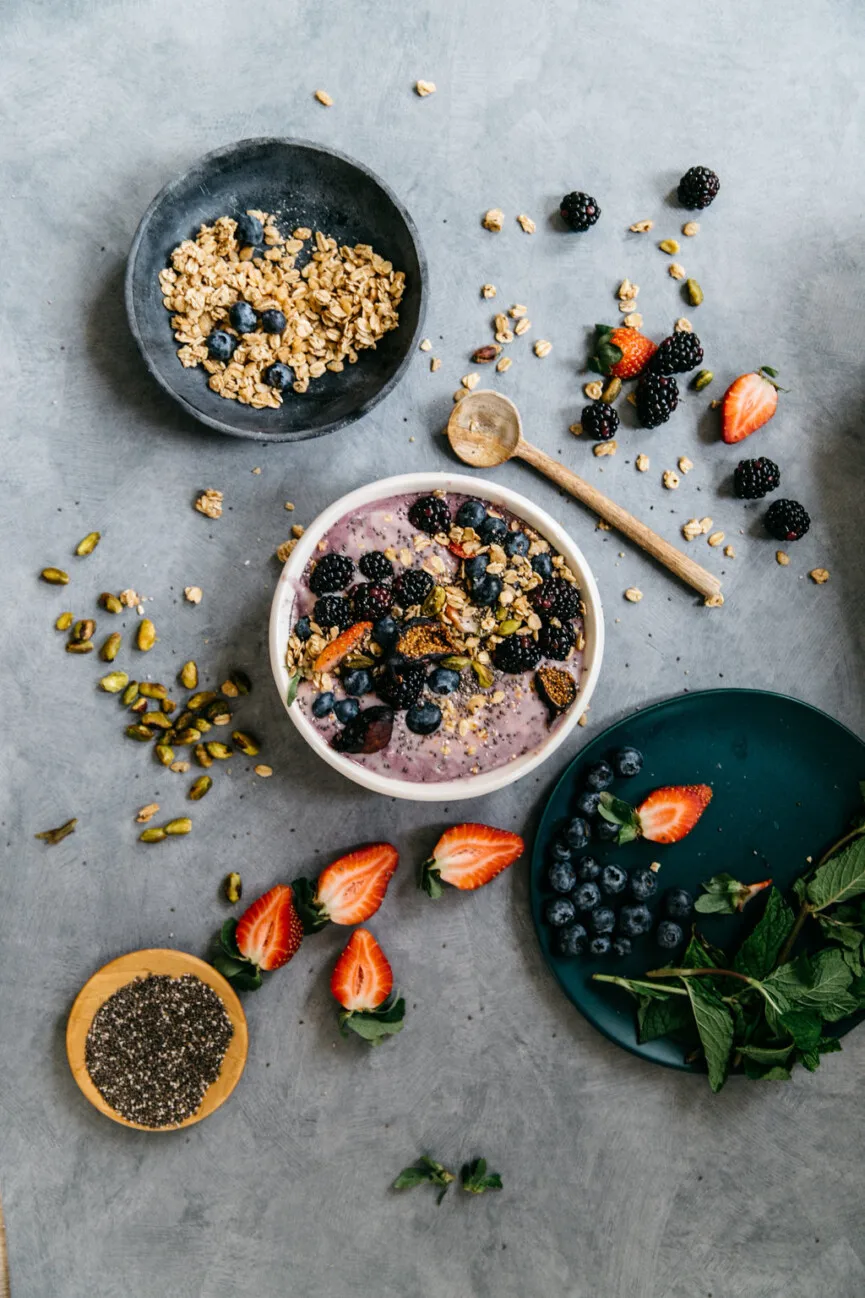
[474,786]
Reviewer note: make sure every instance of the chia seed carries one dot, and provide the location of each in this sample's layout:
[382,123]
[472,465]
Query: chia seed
[156,1046]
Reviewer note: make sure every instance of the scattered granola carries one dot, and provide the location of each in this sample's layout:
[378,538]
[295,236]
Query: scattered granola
[641,227]
[488,290]
[685,465]
[435,364]
[210,503]
[729,551]
[633,594]
[526,223]
[323,98]
[493,220]
[605,448]
[690,228]
[147,813]
[470,381]
[130,598]
[424,88]
[542,347]
[289,505]
[522,326]
[716,539]
[676,271]
[593,390]
[517,311]
[284,550]
[193,594]
[642,462]
[670,479]
[504,364]
[633,321]
[576,429]
[782,557]
[683,326]
[714,601]
[263,770]
[819,575]
[425,345]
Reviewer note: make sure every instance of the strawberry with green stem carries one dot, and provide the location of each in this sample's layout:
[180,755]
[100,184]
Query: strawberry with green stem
[468,856]
[749,402]
[665,816]
[349,890]
[362,982]
[265,938]
[623,352]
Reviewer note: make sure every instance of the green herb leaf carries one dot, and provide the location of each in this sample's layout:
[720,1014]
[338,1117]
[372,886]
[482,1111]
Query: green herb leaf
[243,975]
[842,877]
[715,1027]
[641,987]
[308,909]
[724,894]
[660,1018]
[820,983]
[374,1026]
[765,1072]
[430,879]
[803,1026]
[228,940]
[836,930]
[409,1177]
[291,692]
[429,1173]
[757,955]
[477,1180]
[767,1054]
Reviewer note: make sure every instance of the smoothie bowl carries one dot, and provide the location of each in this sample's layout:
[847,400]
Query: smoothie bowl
[435,636]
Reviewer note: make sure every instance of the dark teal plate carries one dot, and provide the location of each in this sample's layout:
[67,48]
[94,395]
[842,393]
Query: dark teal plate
[786,783]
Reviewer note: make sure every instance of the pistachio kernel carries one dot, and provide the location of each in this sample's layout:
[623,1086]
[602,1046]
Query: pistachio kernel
[64,621]
[232,886]
[508,626]
[114,682]
[140,733]
[611,390]
[164,753]
[199,700]
[241,682]
[88,544]
[246,743]
[188,675]
[153,834]
[434,602]
[202,725]
[202,756]
[80,647]
[695,293]
[169,706]
[157,719]
[484,674]
[111,647]
[153,690]
[130,694]
[109,602]
[189,736]
[703,379]
[138,705]
[55,576]
[83,629]
[455,663]
[180,826]
[669,246]
[200,787]
[146,637]
[220,751]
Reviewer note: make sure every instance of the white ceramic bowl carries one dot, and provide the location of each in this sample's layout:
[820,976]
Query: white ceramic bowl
[281,618]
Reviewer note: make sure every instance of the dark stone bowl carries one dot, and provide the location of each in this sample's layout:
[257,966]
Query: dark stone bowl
[305,184]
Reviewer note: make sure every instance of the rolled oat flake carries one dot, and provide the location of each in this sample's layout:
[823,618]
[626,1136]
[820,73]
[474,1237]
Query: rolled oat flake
[156,1046]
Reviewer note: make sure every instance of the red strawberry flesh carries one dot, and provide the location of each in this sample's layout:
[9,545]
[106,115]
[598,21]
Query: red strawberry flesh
[353,888]
[668,814]
[468,856]
[748,404]
[362,978]
[270,932]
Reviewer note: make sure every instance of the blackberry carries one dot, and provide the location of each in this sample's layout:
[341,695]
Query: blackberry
[754,479]
[332,572]
[787,520]
[600,421]
[557,641]
[556,598]
[400,684]
[412,587]
[698,187]
[333,610]
[657,398]
[678,354]
[371,600]
[579,211]
[517,653]
[430,514]
[375,566]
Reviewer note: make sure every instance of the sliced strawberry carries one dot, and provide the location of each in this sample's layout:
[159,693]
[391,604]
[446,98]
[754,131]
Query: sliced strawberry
[668,814]
[270,932]
[362,979]
[332,655]
[353,888]
[749,403]
[459,550]
[468,856]
[624,352]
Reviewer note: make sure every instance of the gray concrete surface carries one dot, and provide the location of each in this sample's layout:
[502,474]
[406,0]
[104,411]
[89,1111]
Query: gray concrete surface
[622,1179]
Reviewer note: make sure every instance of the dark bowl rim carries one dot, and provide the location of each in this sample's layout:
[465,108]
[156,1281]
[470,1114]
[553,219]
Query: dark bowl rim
[206,160]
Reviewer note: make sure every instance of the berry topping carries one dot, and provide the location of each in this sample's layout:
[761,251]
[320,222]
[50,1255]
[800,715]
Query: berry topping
[332,572]
[385,632]
[600,420]
[577,833]
[542,564]
[556,598]
[517,653]
[787,520]
[430,514]
[401,683]
[468,856]
[249,230]
[302,629]
[476,566]
[569,941]
[635,920]
[587,896]
[561,876]
[754,479]
[346,710]
[243,318]
[579,211]
[698,187]
[557,641]
[600,945]
[357,682]
[678,905]
[624,353]
[270,932]
[602,920]
[604,832]
[412,587]
[599,775]
[588,870]
[627,762]
[643,883]
[362,978]
[559,912]
[369,732]
[371,600]
[273,322]
[485,590]
[334,653]
[657,398]
[749,402]
[517,543]
[493,530]
[621,946]
[586,803]
[442,680]
[278,376]
[471,513]
[678,354]
[322,704]
[221,345]
[668,814]
[423,718]
[669,935]
[376,566]
[613,880]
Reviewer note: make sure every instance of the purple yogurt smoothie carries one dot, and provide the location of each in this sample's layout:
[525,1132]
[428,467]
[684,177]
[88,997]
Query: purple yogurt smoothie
[512,721]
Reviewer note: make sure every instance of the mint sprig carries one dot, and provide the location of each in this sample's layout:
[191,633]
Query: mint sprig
[477,1180]
[426,1171]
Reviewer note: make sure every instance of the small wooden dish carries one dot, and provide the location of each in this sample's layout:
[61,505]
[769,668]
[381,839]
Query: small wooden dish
[137,964]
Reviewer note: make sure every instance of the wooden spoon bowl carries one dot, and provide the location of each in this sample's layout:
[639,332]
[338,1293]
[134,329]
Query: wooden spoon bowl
[137,964]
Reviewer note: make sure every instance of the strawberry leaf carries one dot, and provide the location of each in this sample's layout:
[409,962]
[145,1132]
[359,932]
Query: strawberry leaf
[243,975]
[724,895]
[430,879]
[310,913]
[429,1173]
[618,812]
[374,1026]
[227,939]
[477,1180]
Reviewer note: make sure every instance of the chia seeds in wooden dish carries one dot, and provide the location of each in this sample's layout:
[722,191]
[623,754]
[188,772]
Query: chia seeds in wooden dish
[156,1046]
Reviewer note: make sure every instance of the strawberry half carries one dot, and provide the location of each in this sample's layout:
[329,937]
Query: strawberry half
[749,403]
[349,890]
[269,933]
[362,979]
[468,856]
[667,815]
[624,353]
[332,655]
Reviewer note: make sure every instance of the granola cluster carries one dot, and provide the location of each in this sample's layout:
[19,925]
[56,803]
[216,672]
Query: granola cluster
[343,300]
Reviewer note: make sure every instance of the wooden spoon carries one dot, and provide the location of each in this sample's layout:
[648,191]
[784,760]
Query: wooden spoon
[485,429]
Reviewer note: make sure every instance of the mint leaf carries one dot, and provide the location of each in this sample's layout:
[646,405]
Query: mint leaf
[842,876]
[757,955]
[477,1180]
[803,1026]
[429,1173]
[661,1018]
[409,1177]
[640,987]
[767,1054]
[715,1027]
[291,692]
[837,930]
[766,1072]
[820,983]
[810,1059]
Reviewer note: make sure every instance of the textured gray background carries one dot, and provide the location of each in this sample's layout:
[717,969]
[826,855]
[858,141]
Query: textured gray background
[622,1179]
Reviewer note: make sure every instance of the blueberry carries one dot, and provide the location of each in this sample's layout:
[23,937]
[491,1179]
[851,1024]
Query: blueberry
[635,920]
[613,879]
[669,935]
[302,629]
[559,912]
[476,566]
[243,318]
[542,564]
[249,230]
[272,322]
[586,804]
[322,704]
[517,543]
[627,762]
[221,345]
[423,718]
[385,632]
[622,946]
[678,904]
[602,919]
[357,682]
[561,876]
[486,591]
[605,831]
[600,945]
[346,710]
[577,832]
[560,850]
[599,775]
[493,530]
[442,680]
[642,884]
[569,941]
[588,869]
[587,896]
[471,514]
[278,376]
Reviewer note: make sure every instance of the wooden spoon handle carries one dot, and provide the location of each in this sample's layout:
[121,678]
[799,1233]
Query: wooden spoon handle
[677,562]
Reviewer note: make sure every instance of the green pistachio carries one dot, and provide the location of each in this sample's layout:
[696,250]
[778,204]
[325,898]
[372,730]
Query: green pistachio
[55,576]
[153,834]
[180,826]
[247,744]
[188,675]
[695,293]
[111,647]
[110,602]
[200,787]
[141,733]
[201,699]
[114,682]
[153,690]
[146,637]
[190,736]
[88,544]
[703,379]
[484,674]
[164,753]
[80,647]
[232,886]
[64,621]
[455,663]
[157,719]
[202,756]
[220,751]
[130,694]
[509,626]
